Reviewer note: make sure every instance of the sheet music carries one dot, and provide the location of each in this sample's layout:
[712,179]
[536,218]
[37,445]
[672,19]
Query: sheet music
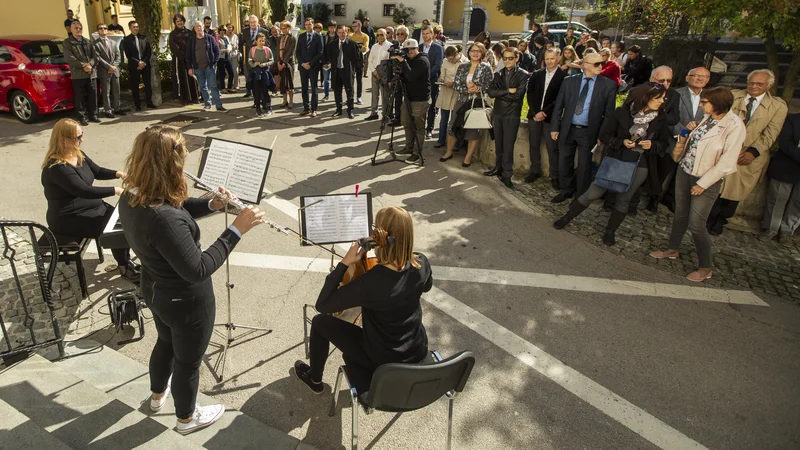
[338,218]
[238,167]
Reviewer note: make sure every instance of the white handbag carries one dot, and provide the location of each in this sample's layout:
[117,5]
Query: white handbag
[478,118]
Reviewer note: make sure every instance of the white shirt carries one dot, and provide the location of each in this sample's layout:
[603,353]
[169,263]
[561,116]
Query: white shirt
[548,76]
[755,103]
[378,53]
[695,98]
[426,47]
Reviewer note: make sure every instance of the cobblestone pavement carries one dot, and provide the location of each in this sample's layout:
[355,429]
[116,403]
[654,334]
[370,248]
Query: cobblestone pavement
[740,259]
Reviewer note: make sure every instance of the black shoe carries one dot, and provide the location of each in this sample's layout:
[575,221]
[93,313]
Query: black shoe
[404,151]
[607,207]
[561,197]
[717,228]
[463,164]
[350,115]
[532,177]
[109,115]
[614,221]
[138,108]
[632,211]
[443,159]
[151,106]
[84,122]
[429,135]
[221,108]
[259,113]
[555,185]
[121,112]
[305,112]
[508,183]
[247,95]
[652,205]
[129,273]
[669,203]
[493,171]
[373,116]
[94,119]
[337,113]
[412,159]
[575,208]
[303,372]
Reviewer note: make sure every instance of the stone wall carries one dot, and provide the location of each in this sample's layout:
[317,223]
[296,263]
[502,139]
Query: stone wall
[748,215]
[66,298]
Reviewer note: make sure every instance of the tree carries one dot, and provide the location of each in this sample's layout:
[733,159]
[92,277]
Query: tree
[532,8]
[148,15]
[404,13]
[279,10]
[320,12]
[361,15]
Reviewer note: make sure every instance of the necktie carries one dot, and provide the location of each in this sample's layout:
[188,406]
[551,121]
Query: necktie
[309,38]
[750,104]
[108,49]
[582,97]
[340,63]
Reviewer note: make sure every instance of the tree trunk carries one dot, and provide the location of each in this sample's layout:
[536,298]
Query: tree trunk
[149,20]
[791,78]
[772,57]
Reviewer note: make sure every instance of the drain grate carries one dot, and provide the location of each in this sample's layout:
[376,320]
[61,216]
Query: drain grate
[181,120]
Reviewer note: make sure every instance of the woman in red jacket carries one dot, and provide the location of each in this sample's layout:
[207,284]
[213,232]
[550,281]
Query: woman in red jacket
[611,69]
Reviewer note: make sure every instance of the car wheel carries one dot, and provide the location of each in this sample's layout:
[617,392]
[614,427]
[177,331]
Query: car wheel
[23,107]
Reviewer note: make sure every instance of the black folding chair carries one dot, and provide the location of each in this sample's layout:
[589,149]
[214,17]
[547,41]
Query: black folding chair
[408,387]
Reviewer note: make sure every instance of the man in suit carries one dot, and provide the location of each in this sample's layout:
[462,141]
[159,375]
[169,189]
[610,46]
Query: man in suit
[782,212]
[79,54]
[108,61]
[247,41]
[341,56]
[309,56]
[543,88]
[435,54]
[138,52]
[583,103]
[763,115]
[417,33]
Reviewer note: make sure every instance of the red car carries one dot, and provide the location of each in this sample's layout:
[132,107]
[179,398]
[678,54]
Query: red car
[34,77]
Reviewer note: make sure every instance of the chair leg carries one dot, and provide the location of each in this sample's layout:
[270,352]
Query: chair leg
[305,329]
[82,277]
[355,419]
[100,256]
[335,392]
[449,423]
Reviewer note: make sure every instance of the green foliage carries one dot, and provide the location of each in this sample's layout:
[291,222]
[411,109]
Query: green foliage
[404,13]
[621,99]
[532,8]
[599,21]
[148,14]
[164,71]
[320,12]
[181,5]
[361,15]
[279,9]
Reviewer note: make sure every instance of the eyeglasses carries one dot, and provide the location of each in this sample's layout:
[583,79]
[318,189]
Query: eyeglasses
[753,83]
[380,35]
[664,80]
[102,28]
[509,58]
[699,76]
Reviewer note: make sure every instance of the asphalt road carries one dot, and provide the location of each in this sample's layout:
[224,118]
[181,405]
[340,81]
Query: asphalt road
[563,363]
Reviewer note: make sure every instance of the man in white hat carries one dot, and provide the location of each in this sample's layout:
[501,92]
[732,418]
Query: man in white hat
[417,84]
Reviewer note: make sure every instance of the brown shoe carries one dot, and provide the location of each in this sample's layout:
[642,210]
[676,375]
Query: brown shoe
[666,254]
[699,275]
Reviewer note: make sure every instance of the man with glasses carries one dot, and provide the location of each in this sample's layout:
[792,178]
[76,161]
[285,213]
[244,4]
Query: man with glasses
[82,59]
[247,42]
[763,115]
[416,74]
[379,68]
[108,61]
[583,103]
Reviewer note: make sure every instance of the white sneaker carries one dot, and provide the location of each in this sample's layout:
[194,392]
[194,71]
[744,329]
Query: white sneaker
[203,416]
[156,405]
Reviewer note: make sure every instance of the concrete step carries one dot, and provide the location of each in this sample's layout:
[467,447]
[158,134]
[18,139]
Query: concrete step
[128,381]
[755,55]
[18,432]
[79,415]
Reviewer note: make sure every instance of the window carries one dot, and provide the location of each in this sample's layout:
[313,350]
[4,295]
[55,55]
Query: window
[5,55]
[44,52]
[388,9]
[340,9]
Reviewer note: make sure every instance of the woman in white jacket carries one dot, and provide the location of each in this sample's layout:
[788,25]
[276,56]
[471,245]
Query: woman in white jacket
[377,55]
[706,155]
[447,95]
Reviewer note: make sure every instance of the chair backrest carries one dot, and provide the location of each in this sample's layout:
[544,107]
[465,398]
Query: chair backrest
[406,387]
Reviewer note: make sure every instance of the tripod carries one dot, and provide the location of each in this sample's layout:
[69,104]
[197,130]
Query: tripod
[399,87]
[229,325]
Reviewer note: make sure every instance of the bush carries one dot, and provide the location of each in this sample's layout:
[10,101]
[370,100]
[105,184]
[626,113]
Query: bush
[361,15]
[404,13]
[164,70]
[320,12]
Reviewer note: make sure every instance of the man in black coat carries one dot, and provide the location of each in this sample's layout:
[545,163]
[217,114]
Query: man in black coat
[246,42]
[309,61]
[543,88]
[583,103]
[138,52]
[342,56]
[782,213]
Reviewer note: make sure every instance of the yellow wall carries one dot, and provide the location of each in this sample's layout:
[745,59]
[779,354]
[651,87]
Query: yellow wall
[18,17]
[498,22]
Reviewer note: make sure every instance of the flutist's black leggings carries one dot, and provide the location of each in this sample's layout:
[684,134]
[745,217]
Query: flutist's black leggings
[184,321]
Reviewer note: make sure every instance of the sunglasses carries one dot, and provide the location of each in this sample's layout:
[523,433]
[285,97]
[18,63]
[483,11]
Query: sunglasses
[79,137]
[509,58]
[102,28]
[380,35]
[597,64]
[665,80]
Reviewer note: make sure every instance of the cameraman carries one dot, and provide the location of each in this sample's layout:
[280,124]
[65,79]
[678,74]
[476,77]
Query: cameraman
[417,82]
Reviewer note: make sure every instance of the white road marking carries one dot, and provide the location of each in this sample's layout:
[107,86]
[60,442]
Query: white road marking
[526,279]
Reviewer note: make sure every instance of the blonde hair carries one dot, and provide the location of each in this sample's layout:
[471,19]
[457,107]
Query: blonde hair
[564,59]
[285,24]
[397,223]
[63,144]
[155,168]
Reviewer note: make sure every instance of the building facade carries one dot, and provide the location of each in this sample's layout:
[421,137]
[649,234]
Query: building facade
[485,16]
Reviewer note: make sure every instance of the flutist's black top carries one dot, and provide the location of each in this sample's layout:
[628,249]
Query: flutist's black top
[167,241]
[390,305]
[74,206]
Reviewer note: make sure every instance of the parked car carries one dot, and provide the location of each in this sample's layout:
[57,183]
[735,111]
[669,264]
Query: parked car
[34,76]
[558,29]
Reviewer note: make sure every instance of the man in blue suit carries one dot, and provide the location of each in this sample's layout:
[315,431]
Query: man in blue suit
[435,54]
[584,101]
[309,60]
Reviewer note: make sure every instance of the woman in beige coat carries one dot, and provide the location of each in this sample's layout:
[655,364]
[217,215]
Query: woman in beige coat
[706,155]
[447,95]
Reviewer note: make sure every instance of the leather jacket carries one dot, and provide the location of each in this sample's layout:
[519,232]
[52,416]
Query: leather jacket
[507,104]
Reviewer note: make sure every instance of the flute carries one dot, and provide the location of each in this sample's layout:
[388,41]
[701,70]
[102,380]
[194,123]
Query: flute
[216,193]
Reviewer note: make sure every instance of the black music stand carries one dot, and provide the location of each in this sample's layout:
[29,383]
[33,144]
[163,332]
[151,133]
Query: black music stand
[218,369]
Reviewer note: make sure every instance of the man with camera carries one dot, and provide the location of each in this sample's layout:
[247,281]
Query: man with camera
[417,83]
